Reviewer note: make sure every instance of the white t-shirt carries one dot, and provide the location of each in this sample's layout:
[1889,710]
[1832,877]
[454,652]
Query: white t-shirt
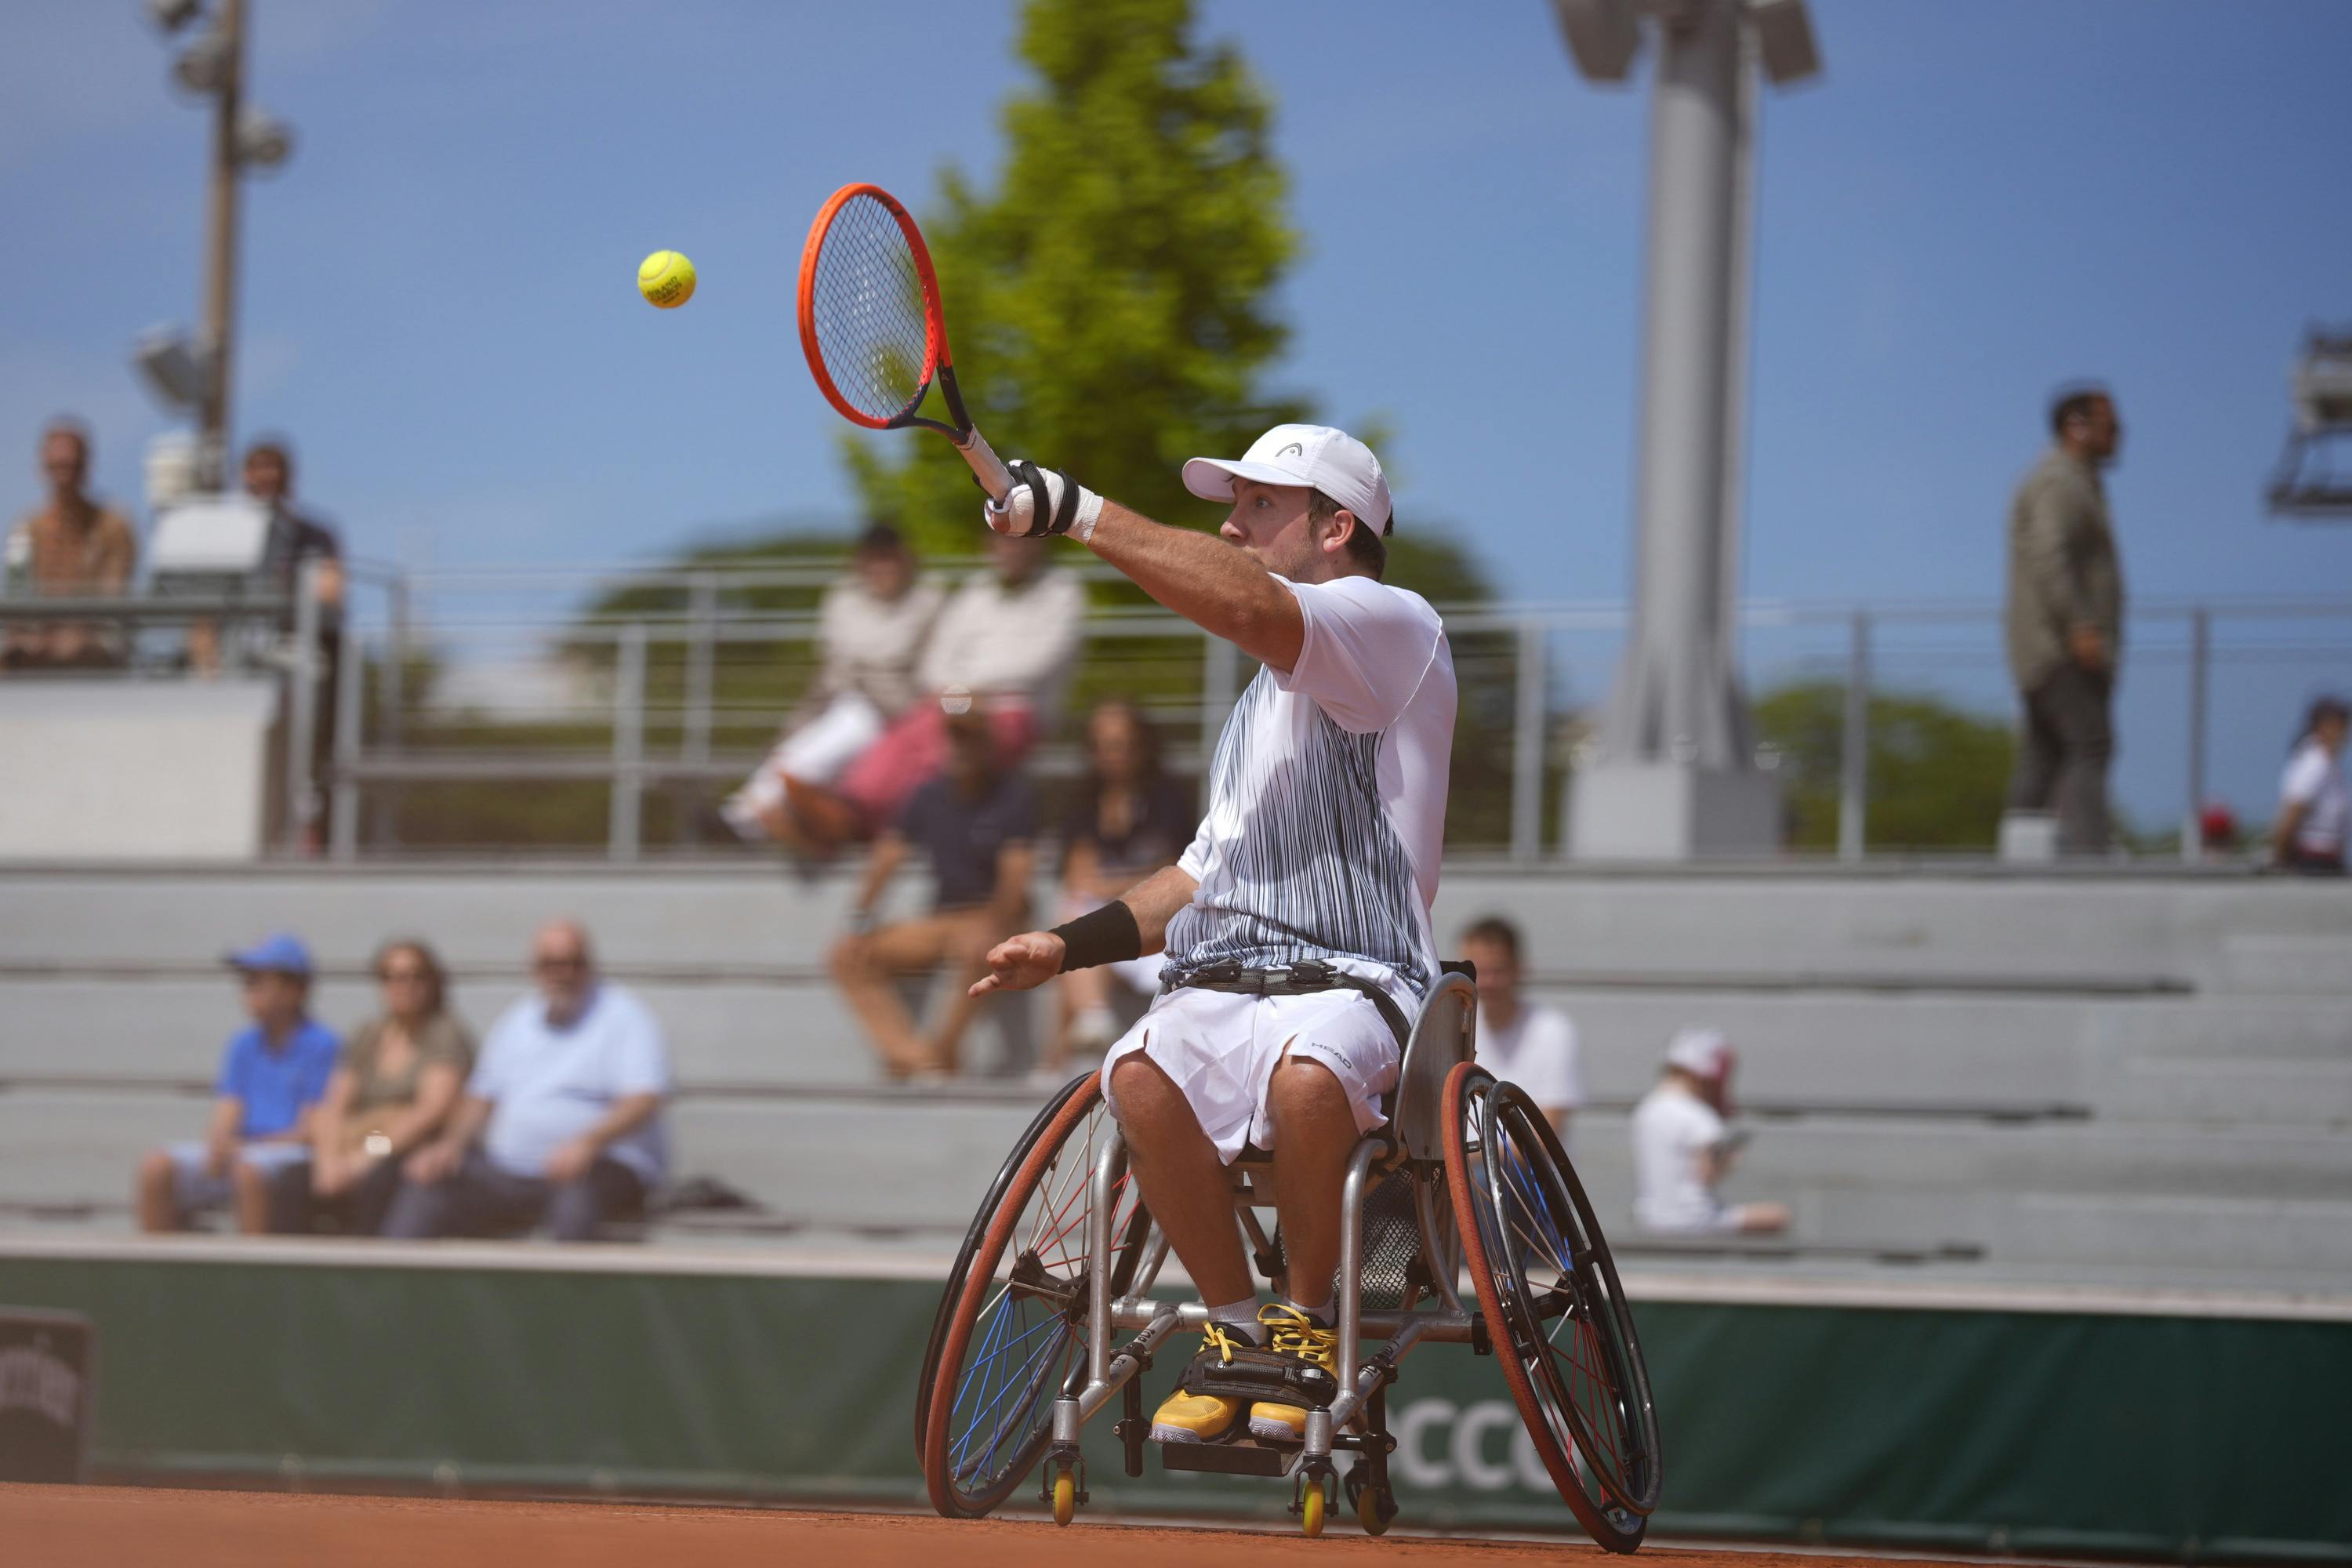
[1017,641]
[1672,1129]
[1327,797]
[1538,1052]
[548,1085]
[2315,780]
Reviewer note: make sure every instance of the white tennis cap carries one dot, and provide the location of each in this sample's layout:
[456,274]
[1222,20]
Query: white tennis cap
[1704,1052]
[1315,456]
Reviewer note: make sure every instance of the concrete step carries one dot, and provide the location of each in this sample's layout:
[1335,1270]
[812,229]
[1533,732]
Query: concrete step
[2296,965]
[1900,926]
[2238,1091]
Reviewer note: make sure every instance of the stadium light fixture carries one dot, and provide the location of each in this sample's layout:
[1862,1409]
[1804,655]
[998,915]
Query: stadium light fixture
[173,368]
[2307,483]
[171,16]
[1675,771]
[263,141]
[205,66]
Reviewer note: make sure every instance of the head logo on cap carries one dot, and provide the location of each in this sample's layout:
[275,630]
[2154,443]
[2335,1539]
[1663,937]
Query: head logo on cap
[1293,450]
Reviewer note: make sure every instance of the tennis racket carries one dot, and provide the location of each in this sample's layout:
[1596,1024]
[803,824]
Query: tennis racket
[872,327]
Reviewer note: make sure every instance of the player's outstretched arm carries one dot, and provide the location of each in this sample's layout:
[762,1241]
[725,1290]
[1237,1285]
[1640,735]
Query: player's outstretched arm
[1035,957]
[1199,576]
[1206,580]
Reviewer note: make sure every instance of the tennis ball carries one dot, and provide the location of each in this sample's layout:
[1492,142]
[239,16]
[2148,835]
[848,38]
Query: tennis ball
[666,279]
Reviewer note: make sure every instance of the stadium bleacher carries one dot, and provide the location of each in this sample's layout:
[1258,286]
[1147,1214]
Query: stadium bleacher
[2143,1077]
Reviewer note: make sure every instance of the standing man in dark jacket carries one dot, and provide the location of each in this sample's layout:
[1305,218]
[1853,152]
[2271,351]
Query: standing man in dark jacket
[2065,623]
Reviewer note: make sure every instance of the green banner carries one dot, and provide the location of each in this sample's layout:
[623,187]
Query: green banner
[2185,1437]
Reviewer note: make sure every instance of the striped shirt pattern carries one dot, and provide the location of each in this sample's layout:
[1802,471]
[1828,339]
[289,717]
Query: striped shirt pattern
[1302,862]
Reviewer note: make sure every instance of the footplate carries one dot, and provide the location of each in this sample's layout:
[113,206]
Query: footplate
[1241,1457]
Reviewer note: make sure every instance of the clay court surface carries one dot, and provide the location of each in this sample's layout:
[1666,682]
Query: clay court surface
[45,1526]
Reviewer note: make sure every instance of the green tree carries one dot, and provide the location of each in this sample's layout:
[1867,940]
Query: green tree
[1938,774]
[1110,301]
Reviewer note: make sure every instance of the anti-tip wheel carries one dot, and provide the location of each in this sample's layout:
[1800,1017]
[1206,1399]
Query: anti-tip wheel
[1369,1513]
[1065,1498]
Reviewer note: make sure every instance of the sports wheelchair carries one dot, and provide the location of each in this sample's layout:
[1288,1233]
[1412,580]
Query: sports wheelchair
[1049,1315]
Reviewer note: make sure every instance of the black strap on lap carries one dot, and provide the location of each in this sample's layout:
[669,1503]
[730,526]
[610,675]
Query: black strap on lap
[1302,979]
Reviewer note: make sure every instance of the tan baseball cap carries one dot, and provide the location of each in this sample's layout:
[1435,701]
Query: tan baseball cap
[1315,456]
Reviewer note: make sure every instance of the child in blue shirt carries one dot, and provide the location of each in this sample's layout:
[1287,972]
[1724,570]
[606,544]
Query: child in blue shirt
[271,1076]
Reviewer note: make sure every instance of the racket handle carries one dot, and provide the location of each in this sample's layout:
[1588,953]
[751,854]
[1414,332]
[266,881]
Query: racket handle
[994,476]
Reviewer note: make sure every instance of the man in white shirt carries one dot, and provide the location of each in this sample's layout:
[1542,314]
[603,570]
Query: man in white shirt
[1522,1042]
[871,629]
[1296,924]
[1682,1150]
[2315,809]
[1008,637]
[560,1123]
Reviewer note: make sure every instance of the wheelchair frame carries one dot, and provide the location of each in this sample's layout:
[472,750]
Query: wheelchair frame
[1433,1308]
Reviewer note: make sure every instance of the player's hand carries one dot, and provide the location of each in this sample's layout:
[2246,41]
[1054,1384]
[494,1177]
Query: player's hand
[1042,501]
[1019,962]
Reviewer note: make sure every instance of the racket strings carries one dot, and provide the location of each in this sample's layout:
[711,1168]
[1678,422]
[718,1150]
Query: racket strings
[867,309]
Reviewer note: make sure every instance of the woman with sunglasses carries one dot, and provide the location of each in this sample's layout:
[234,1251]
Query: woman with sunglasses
[392,1088]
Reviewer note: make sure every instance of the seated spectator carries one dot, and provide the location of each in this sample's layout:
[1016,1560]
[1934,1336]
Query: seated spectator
[870,631]
[1006,640]
[1522,1042]
[1129,820]
[294,540]
[391,1093]
[2313,810]
[1682,1149]
[73,548]
[977,821]
[560,1125]
[271,1077]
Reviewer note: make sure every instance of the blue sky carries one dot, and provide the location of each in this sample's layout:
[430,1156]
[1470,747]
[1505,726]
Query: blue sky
[1973,203]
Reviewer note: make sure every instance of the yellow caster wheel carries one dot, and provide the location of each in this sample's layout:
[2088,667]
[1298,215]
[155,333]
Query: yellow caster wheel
[1310,1511]
[1065,1499]
[1369,1514]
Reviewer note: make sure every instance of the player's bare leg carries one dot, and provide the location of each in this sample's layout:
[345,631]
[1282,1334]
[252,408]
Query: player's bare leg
[1184,1183]
[1314,1135]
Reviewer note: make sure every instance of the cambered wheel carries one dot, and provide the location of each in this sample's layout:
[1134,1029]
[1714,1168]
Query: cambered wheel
[1013,1334]
[972,1236]
[1554,1308]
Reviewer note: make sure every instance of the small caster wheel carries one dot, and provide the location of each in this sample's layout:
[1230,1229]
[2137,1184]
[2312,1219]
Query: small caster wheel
[1310,1511]
[1065,1496]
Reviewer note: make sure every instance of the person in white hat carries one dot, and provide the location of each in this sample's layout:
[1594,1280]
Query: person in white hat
[1295,927]
[1682,1148]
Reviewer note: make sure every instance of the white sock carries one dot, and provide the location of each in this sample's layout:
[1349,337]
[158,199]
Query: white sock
[1239,1317]
[1324,1317]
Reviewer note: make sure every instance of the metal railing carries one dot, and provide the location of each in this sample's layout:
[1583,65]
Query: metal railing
[684,693]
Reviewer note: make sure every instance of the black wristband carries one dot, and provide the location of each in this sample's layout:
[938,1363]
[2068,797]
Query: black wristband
[1107,935]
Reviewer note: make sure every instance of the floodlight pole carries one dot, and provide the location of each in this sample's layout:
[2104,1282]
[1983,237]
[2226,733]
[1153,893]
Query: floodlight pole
[220,254]
[1672,772]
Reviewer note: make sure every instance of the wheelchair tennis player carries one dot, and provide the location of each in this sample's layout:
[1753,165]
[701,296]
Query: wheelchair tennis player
[1297,925]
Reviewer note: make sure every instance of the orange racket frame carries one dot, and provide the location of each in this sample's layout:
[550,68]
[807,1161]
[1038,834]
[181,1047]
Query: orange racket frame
[939,366]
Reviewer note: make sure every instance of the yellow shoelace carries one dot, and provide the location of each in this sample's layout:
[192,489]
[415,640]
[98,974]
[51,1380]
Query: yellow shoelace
[1217,1335]
[1296,1333]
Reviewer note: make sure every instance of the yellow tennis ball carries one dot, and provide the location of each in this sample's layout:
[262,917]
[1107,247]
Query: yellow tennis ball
[665,279]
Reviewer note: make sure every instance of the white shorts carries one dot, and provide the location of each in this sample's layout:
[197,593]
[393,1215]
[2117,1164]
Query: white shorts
[1219,1049]
[196,1190]
[817,752]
